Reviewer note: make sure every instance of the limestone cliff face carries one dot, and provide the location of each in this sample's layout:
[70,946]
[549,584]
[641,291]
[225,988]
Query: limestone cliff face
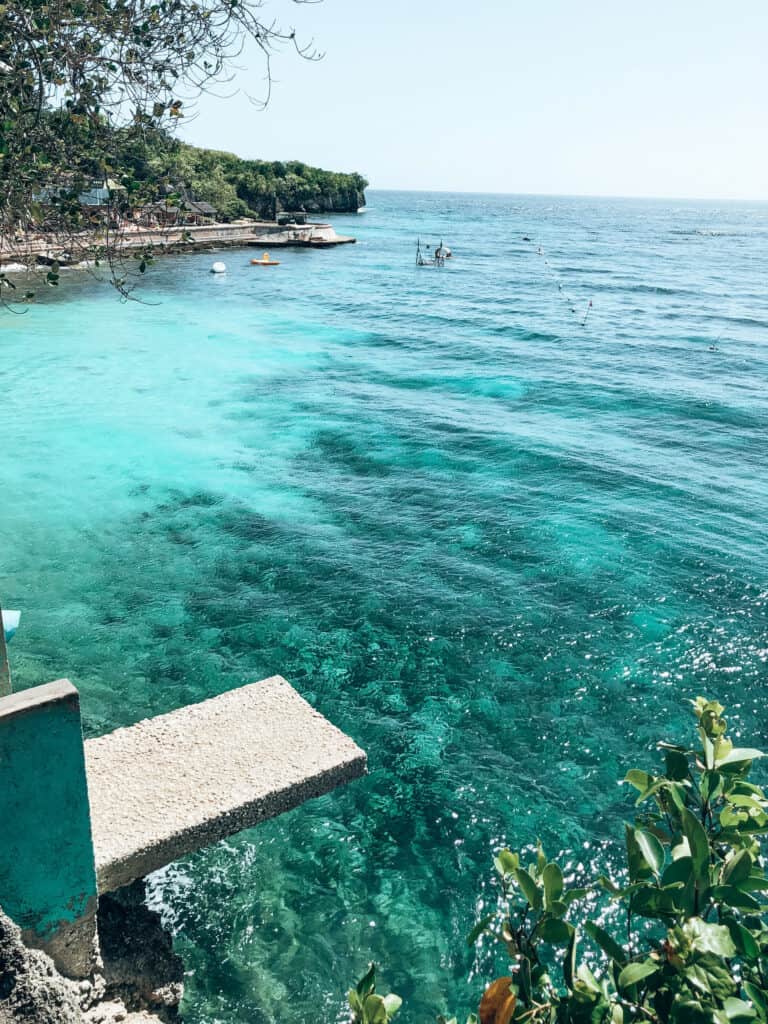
[345,200]
[348,201]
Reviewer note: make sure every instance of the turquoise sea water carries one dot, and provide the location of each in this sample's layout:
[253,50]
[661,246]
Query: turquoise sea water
[497,547]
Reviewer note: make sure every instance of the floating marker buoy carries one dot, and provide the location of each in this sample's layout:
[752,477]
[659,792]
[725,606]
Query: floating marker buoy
[219,268]
[10,622]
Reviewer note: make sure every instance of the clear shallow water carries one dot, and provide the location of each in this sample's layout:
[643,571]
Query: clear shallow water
[497,547]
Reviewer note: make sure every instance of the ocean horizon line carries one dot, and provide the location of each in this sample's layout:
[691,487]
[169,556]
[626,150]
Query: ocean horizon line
[571,195]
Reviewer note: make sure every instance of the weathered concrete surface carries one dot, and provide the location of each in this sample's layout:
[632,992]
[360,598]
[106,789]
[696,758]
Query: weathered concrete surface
[47,877]
[170,785]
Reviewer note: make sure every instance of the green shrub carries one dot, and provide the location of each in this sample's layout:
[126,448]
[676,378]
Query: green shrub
[692,947]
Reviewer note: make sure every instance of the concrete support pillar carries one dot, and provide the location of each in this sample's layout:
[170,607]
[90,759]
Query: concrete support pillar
[47,873]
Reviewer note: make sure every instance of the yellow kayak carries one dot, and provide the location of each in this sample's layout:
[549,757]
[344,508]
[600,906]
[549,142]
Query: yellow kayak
[265,261]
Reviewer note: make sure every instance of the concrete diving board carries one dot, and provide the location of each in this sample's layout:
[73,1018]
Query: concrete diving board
[170,785]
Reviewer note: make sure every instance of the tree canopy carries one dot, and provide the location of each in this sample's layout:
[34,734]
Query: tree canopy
[235,187]
[82,79]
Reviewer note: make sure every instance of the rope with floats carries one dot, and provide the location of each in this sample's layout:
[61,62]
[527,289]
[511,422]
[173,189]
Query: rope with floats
[557,280]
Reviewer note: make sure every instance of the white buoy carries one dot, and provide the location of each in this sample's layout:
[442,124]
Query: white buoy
[219,268]
[10,622]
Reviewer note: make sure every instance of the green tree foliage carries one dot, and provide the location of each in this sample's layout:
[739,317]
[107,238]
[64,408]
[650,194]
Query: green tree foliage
[236,187]
[82,78]
[367,1006]
[692,947]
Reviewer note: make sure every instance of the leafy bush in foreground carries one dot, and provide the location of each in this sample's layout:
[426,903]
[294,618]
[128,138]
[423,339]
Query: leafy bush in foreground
[693,945]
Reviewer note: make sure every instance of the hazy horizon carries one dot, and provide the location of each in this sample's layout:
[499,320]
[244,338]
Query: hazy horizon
[571,195]
[553,100]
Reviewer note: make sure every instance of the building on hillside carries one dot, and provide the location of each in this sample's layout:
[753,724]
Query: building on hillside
[99,201]
[291,217]
[177,213]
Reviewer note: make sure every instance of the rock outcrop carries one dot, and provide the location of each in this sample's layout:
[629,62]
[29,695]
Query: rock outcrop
[139,965]
[138,979]
[31,990]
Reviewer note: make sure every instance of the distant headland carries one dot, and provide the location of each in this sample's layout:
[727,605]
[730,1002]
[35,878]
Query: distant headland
[162,194]
[236,187]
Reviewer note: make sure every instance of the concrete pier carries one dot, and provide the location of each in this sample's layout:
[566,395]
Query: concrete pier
[173,784]
[15,255]
[81,819]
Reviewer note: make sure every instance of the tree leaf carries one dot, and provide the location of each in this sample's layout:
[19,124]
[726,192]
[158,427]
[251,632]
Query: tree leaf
[572,895]
[705,937]
[606,942]
[498,1002]
[375,1010]
[710,974]
[676,765]
[698,843]
[588,980]
[679,870]
[739,754]
[738,1010]
[552,877]
[758,997]
[633,973]
[636,862]
[554,930]
[367,983]
[355,1004]
[709,751]
[743,940]
[711,786]
[506,862]
[524,979]
[639,779]
[734,897]
[655,787]
[530,890]
[754,883]
[690,1011]
[392,1004]
[569,964]
[677,794]
[738,868]
[651,849]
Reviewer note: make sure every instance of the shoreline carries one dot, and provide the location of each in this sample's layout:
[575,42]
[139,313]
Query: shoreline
[79,251]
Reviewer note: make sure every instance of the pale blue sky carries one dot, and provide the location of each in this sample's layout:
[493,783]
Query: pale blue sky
[594,97]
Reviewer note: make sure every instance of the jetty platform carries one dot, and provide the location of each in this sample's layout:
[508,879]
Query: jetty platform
[171,785]
[17,253]
[85,818]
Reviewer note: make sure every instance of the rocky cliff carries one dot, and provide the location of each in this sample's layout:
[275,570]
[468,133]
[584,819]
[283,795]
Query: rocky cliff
[138,979]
